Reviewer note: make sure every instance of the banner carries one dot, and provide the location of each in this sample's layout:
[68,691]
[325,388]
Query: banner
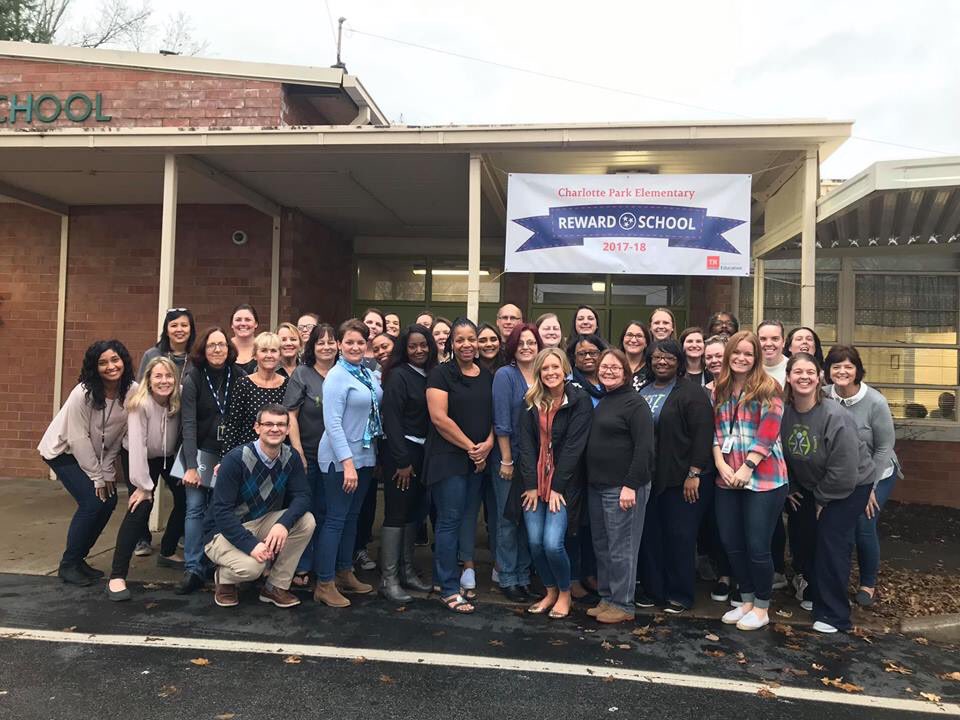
[631,223]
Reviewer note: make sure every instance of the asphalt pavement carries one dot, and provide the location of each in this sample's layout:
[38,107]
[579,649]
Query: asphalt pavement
[69,653]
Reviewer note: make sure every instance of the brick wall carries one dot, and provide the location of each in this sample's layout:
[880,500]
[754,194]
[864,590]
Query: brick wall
[315,270]
[145,98]
[931,473]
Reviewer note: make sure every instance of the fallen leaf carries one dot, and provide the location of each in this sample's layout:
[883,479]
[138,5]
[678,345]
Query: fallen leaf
[841,685]
[862,634]
[225,716]
[795,671]
[70,629]
[558,643]
[153,639]
[921,641]
[783,629]
[891,667]
[293,660]
[715,653]
[151,586]
[741,658]
[793,646]
[609,679]
[440,633]
[359,660]
[496,643]
[606,645]
[200,661]
[766,693]
[785,613]
[711,637]
[772,683]
[151,605]
[387,680]
[624,646]
[644,631]
[950,676]
[402,608]
[815,666]
[931,697]
[167,691]
[658,618]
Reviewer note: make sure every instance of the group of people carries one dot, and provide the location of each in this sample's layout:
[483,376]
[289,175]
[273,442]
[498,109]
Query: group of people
[610,470]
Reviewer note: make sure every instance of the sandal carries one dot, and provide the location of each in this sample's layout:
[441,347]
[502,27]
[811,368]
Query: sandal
[457,604]
[538,609]
[301,581]
[469,593]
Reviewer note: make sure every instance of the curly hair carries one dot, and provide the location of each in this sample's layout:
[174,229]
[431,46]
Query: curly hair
[90,378]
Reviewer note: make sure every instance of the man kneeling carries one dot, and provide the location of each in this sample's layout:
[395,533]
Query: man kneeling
[259,514]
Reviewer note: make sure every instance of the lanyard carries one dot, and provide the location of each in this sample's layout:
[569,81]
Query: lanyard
[734,419]
[216,398]
[104,417]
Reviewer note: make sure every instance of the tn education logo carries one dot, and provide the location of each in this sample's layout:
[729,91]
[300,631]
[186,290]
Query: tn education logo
[801,442]
[713,262]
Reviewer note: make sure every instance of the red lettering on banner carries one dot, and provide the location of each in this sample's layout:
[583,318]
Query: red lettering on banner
[713,262]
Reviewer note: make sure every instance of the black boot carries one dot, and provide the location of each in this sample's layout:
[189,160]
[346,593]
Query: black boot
[90,572]
[390,540]
[408,571]
[72,575]
[189,583]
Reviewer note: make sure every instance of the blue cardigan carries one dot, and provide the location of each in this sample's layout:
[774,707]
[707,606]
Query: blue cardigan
[509,387]
[346,407]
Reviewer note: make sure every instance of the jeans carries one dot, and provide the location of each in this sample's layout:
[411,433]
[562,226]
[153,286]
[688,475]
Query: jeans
[367,515]
[135,523]
[546,532]
[513,551]
[198,499]
[92,514]
[468,527]
[319,499]
[746,520]
[489,501]
[709,542]
[451,496]
[650,570]
[334,550]
[616,541]
[868,539]
[829,553]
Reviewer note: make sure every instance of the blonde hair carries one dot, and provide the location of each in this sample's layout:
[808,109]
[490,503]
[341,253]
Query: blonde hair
[292,328]
[136,400]
[758,385]
[539,396]
[267,341]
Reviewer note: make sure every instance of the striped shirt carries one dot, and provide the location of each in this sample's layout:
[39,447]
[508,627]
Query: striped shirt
[754,428]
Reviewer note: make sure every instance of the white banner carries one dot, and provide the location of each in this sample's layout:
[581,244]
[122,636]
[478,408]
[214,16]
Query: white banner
[631,223]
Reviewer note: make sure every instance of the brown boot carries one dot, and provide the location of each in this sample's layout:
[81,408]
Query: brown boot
[327,593]
[598,609]
[613,615]
[278,596]
[348,582]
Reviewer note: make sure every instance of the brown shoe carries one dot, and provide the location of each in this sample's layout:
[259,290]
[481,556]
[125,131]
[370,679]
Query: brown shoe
[348,582]
[226,595]
[599,608]
[327,593]
[613,615]
[278,596]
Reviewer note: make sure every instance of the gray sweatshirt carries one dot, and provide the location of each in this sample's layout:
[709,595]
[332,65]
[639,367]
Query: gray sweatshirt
[871,412]
[151,433]
[823,451]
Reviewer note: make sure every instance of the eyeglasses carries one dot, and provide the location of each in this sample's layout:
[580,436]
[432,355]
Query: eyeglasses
[588,353]
[305,328]
[634,336]
[527,344]
[273,425]
[611,369]
[216,346]
[669,359]
[515,318]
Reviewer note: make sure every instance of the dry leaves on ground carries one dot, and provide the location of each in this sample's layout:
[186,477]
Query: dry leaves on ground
[151,605]
[931,697]
[785,613]
[72,628]
[921,641]
[293,660]
[225,716]
[741,658]
[950,676]
[496,643]
[817,667]
[558,643]
[862,634]
[911,593]
[766,693]
[783,629]
[167,691]
[359,660]
[711,637]
[609,679]
[606,645]
[715,653]
[387,680]
[891,667]
[841,685]
[200,661]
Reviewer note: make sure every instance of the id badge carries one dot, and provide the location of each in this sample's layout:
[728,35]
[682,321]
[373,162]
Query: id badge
[221,431]
[727,445]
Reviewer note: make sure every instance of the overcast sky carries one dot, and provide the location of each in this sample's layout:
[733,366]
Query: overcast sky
[889,65]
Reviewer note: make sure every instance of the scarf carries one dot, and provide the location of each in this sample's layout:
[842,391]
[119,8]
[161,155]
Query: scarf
[581,382]
[373,429]
[545,465]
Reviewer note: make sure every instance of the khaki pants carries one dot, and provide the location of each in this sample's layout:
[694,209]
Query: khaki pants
[234,566]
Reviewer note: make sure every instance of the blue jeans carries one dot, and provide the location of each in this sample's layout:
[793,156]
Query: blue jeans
[746,520]
[92,513]
[451,496]
[513,551]
[546,532]
[319,509]
[198,498]
[489,502]
[468,528]
[868,539]
[333,549]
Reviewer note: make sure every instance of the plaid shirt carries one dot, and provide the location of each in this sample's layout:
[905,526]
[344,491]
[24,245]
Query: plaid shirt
[756,428]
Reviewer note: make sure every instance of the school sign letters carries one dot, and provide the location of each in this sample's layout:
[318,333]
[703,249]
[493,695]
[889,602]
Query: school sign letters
[630,223]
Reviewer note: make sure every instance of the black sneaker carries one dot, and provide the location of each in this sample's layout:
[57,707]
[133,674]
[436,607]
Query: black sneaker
[720,592]
[72,575]
[674,608]
[735,599]
[642,600]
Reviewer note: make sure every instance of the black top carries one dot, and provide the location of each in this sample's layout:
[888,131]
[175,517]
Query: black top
[620,448]
[571,427]
[250,366]
[640,379]
[470,406]
[684,435]
[404,410]
[701,378]
[304,393]
[246,399]
[200,414]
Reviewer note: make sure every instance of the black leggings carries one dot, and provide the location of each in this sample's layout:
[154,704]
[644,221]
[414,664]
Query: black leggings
[402,506]
[134,523]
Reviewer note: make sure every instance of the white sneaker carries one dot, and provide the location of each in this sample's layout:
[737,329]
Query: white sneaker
[807,605]
[143,549]
[779,581]
[800,584]
[732,617]
[752,621]
[495,577]
[468,579]
[822,627]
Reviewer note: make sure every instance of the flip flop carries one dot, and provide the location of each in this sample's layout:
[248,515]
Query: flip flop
[469,593]
[454,603]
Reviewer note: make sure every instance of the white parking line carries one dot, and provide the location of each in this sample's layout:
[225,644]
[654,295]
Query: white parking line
[696,682]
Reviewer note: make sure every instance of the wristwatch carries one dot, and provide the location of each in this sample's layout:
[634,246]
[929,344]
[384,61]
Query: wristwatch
[750,464]
[692,474]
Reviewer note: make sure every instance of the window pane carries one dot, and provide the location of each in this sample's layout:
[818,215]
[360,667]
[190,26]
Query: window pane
[450,281]
[912,366]
[389,279]
[917,262]
[564,289]
[649,291]
[921,404]
[906,308]
[781,301]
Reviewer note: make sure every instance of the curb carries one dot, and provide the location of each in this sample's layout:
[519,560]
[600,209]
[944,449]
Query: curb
[937,627]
